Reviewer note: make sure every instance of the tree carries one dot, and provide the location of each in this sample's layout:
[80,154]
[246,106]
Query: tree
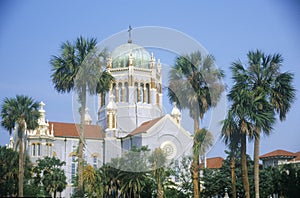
[8,172]
[158,160]
[79,68]
[89,180]
[49,174]
[20,112]
[9,166]
[217,180]
[263,78]
[195,84]
[232,138]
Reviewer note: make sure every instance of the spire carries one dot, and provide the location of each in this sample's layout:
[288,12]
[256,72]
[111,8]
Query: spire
[111,116]
[175,113]
[108,62]
[129,34]
[152,64]
[42,119]
[87,117]
[111,105]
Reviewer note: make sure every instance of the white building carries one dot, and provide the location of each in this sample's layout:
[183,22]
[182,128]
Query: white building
[130,114]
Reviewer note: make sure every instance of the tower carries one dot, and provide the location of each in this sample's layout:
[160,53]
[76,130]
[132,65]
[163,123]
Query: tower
[136,91]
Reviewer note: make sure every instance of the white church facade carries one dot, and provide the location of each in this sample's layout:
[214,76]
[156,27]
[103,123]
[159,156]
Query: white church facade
[129,115]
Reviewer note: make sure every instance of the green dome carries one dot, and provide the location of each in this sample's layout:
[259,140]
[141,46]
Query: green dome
[120,56]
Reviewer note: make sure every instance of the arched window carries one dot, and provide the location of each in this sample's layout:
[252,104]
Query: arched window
[73,168]
[120,95]
[38,149]
[126,92]
[95,162]
[147,93]
[142,92]
[33,147]
[114,91]
[136,92]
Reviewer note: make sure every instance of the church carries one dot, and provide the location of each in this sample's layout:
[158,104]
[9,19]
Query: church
[129,115]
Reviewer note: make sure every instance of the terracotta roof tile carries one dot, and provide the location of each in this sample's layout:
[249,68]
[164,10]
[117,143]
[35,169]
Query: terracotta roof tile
[297,158]
[62,129]
[278,153]
[145,126]
[213,163]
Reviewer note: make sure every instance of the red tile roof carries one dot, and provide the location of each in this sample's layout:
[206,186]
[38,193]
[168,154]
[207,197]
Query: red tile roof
[213,163]
[297,158]
[278,153]
[145,126]
[62,129]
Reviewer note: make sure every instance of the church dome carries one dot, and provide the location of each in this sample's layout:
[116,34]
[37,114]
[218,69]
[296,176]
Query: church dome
[120,56]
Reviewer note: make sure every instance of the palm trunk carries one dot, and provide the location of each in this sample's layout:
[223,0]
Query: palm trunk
[21,169]
[195,163]
[233,183]
[81,143]
[244,166]
[159,188]
[195,176]
[256,163]
[196,123]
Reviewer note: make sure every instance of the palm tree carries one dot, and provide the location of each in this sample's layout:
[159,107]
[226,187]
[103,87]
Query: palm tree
[203,139]
[264,79]
[195,84]
[89,178]
[158,160]
[20,112]
[79,68]
[232,138]
[132,183]
[250,111]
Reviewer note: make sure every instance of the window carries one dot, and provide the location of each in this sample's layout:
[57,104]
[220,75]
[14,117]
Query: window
[142,92]
[147,94]
[126,92]
[95,162]
[74,148]
[136,92]
[120,95]
[38,149]
[114,92]
[33,149]
[48,149]
[73,168]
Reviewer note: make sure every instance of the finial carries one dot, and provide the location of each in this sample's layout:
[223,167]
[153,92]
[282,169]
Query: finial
[108,62]
[42,105]
[129,32]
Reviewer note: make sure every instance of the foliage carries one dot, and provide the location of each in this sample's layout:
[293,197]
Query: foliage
[182,173]
[195,83]
[158,160]
[20,113]
[260,91]
[49,175]
[9,166]
[217,180]
[79,68]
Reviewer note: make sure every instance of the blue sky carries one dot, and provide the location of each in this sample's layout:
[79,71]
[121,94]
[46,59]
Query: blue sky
[32,31]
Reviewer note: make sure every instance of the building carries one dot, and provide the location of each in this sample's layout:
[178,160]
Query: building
[129,115]
[280,157]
